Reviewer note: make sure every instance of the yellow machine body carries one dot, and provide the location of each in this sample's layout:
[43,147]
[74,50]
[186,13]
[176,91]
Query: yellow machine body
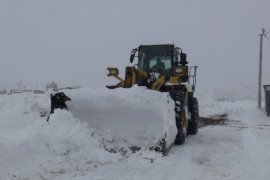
[173,79]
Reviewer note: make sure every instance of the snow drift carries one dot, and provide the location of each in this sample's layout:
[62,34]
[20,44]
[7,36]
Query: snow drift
[30,147]
[99,122]
[127,118]
[70,148]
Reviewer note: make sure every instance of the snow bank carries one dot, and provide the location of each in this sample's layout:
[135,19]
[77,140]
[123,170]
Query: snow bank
[79,140]
[30,147]
[235,109]
[134,117]
[70,147]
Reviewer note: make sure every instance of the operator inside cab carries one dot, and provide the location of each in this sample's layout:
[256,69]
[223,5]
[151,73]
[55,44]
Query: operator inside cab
[159,66]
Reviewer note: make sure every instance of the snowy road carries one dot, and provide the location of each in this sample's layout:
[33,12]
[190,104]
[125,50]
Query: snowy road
[215,153]
[237,150]
[32,149]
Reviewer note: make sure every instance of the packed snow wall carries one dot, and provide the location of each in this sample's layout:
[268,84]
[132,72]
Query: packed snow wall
[135,117]
[98,122]
[31,147]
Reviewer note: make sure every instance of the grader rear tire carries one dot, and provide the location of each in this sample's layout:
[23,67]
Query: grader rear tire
[179,100]
[180,138]
[193,122]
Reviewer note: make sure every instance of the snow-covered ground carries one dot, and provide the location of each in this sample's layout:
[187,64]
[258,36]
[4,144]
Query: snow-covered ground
[70,147]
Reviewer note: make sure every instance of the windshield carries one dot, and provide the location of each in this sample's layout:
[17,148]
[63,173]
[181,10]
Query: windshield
[155,58]
[156,61]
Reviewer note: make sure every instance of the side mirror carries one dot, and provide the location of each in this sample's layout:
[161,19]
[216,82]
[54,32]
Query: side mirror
[183,59]
[132,58]
[133,52]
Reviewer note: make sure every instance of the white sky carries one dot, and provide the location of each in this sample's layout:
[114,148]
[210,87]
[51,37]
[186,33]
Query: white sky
[72,42]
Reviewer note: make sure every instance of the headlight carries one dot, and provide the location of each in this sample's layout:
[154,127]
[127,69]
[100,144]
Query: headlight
[112,71]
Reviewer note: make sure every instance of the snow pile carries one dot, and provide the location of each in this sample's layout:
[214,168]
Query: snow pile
[30,147]
[99,122]
[236,109]
[126,118]
[72,147]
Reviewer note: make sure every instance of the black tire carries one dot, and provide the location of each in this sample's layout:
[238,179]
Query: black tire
[193,122]
[180,137]
[179,109]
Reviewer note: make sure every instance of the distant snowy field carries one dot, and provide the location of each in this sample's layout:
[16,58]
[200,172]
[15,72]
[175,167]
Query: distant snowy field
[70,147]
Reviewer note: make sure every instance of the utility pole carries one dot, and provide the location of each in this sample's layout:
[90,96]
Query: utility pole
[260,69]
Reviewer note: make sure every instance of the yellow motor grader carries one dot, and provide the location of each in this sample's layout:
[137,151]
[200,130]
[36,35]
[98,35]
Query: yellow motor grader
[164,68]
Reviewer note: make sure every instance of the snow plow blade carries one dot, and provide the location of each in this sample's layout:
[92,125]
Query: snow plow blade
[127,119]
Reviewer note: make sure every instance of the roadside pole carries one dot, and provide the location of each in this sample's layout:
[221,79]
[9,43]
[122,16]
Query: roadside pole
[260,70]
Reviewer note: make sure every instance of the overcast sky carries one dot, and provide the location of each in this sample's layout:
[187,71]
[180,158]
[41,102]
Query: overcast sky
[72,42]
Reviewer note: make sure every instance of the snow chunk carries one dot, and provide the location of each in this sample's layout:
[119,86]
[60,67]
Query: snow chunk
[135,117]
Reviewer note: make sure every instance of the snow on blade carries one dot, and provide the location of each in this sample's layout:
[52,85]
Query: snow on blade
[127,118]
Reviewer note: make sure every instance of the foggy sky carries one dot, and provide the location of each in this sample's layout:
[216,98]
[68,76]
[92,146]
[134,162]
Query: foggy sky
[72,42]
